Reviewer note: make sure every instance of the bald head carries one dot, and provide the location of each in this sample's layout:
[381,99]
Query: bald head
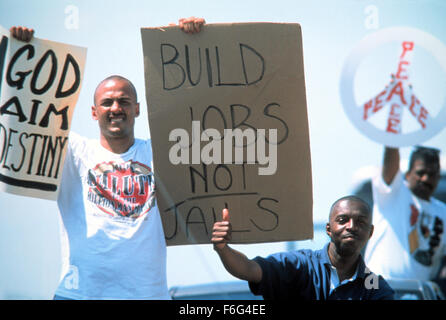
[361,202]
[116,78]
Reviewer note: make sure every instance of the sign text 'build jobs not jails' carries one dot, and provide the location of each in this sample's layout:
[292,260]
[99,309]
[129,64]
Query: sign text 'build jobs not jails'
[246,76]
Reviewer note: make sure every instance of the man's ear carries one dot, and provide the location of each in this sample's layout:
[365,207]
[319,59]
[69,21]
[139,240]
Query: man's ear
[328,229]
[137,109]
[93,112]
[371,231]
[406,175]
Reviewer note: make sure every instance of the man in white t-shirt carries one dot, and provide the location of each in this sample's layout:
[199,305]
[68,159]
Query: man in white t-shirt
[409,241]
[116,247]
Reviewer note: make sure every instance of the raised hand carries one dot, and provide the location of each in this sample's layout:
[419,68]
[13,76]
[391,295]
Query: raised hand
[221,233]
[191,24]
[22,33]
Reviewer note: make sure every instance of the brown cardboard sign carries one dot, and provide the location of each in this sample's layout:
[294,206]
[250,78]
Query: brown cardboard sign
[228,121]
[39,88]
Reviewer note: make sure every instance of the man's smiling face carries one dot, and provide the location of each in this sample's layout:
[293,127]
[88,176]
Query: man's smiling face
[350,226]
[115,108]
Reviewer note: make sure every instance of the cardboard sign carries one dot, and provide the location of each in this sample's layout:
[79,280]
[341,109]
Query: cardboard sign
[40,84]
[228,120]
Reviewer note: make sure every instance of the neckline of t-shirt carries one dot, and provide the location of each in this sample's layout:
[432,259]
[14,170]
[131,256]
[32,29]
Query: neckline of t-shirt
[129,151]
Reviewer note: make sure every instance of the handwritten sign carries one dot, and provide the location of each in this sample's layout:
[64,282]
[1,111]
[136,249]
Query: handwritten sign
[396,114]
[40,83]
[228,120]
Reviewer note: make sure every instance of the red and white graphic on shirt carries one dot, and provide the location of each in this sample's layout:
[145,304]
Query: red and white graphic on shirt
[122,189]
[425,235]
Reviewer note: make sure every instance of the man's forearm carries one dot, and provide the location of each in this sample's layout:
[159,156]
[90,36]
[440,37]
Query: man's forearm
[237,264]
[391,164]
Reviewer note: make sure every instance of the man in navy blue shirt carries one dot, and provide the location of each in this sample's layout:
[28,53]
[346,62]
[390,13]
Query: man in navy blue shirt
[335,272]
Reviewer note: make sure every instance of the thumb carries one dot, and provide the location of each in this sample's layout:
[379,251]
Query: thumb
[225,214]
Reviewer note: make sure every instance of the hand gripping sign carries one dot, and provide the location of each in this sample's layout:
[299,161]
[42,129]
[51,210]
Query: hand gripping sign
[396,115]
[40,83]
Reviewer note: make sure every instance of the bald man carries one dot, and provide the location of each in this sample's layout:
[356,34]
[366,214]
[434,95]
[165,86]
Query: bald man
[116,247]
[336,272]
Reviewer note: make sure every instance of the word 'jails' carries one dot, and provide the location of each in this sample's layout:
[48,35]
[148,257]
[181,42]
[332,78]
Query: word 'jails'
[31,153]
[191,218]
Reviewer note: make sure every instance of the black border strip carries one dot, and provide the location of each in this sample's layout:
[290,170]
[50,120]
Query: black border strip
[28,183]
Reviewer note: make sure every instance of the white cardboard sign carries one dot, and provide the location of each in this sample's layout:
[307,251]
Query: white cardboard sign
[40,84]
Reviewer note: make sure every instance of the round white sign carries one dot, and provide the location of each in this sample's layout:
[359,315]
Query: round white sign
[381,117]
